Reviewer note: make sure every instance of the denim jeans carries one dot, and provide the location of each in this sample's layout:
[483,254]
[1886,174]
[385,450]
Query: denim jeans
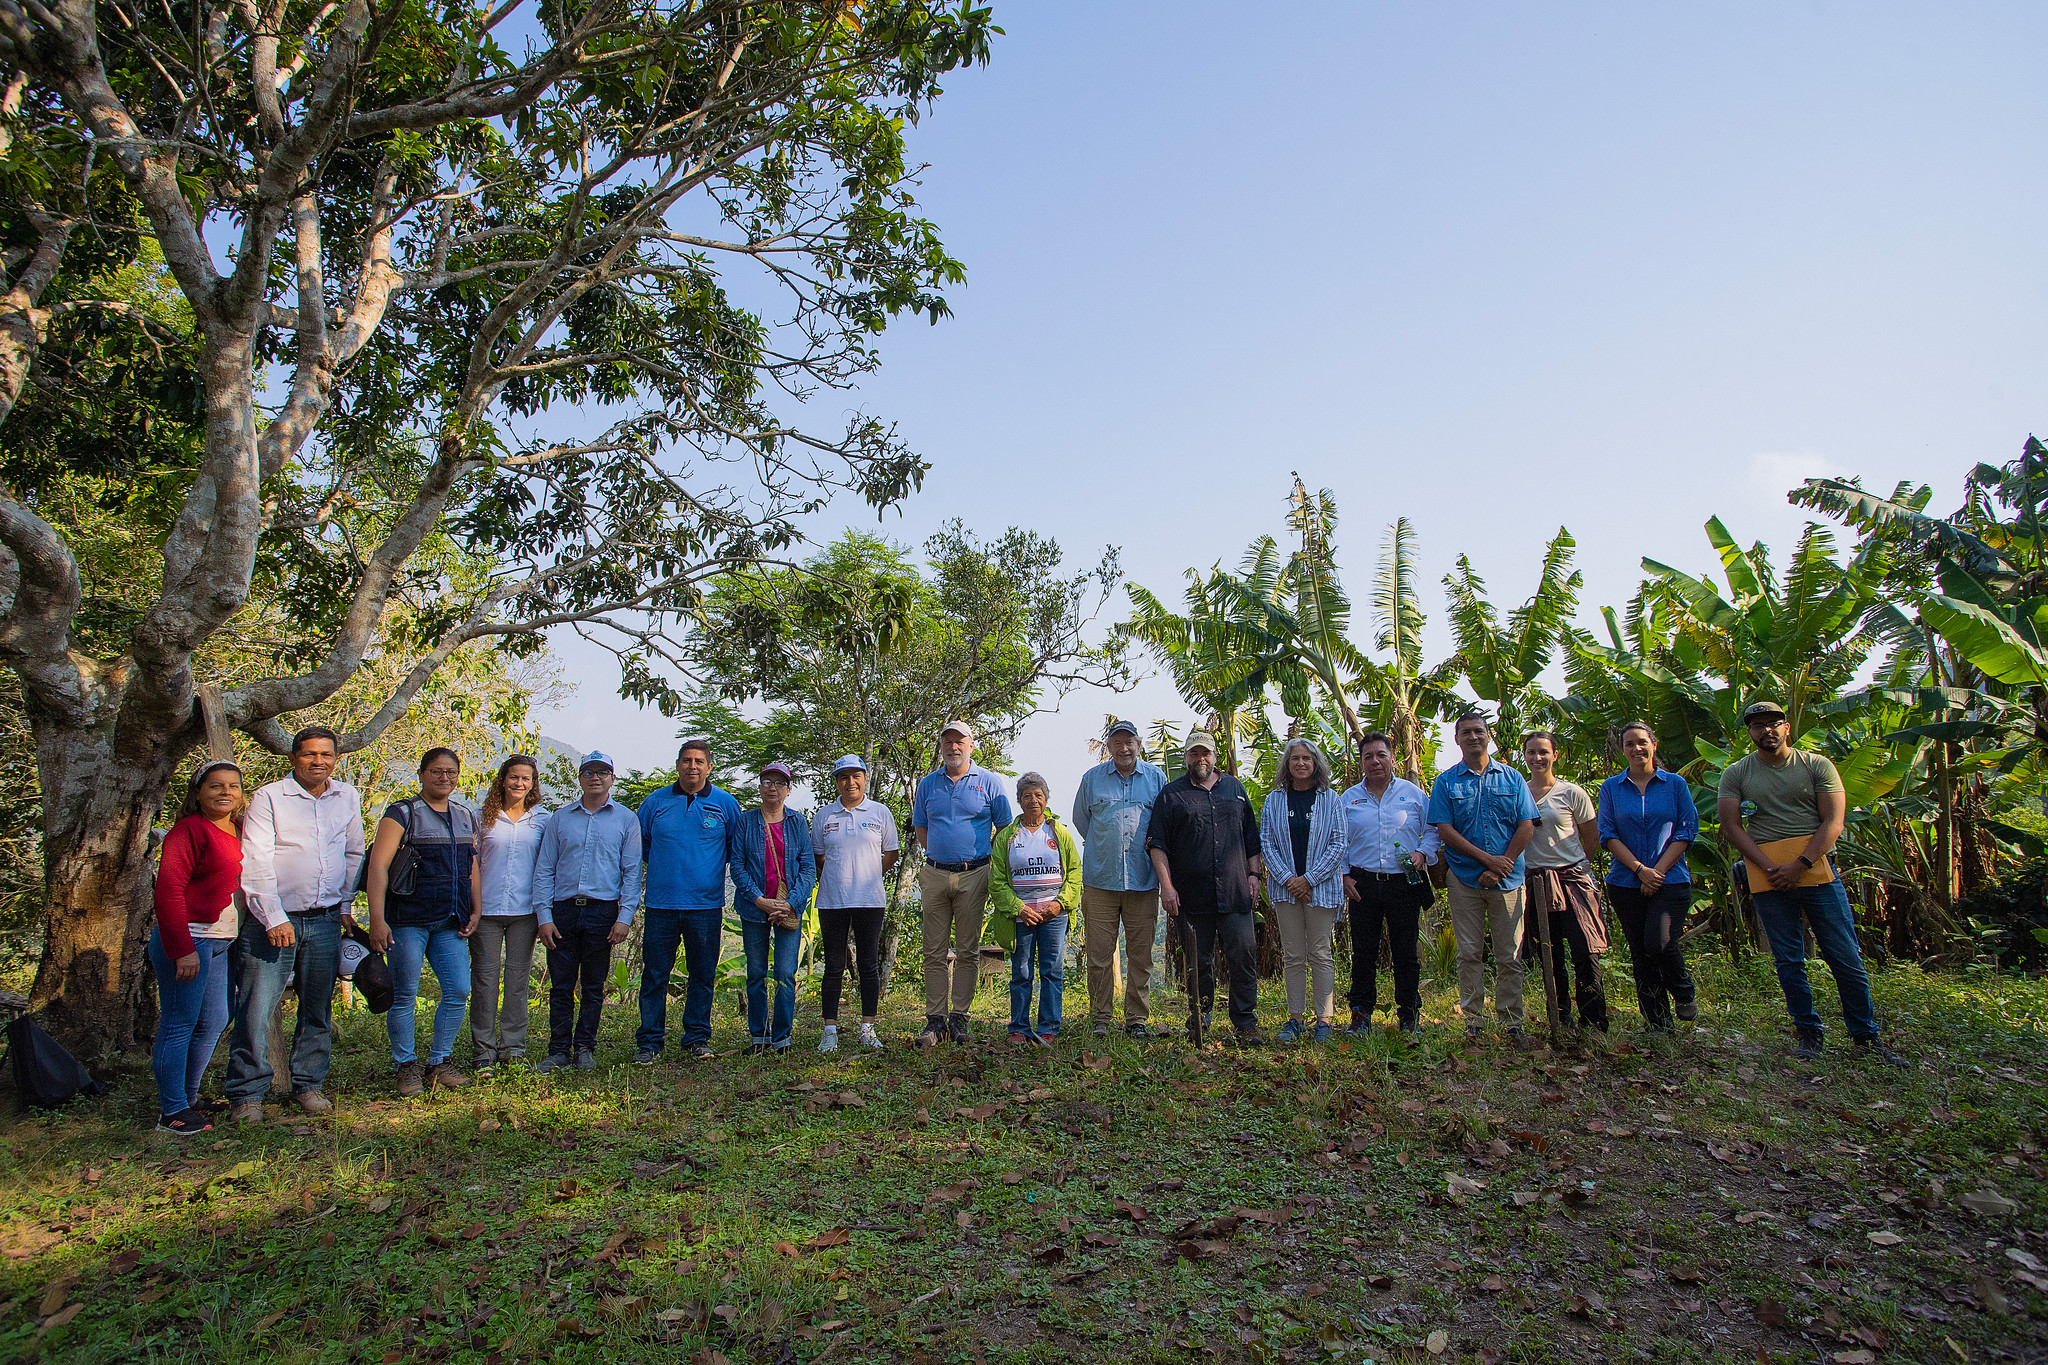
[191,1017]
[261,971]
[448,952]
[760,938]
[1046,946]
[699,934]
[1826,908]
[579,964]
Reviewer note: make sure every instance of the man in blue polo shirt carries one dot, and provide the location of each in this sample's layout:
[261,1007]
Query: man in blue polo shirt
[686,828]
[1486,817]
[957,809]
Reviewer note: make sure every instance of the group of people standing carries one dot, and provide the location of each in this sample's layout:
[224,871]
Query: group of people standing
[469,895]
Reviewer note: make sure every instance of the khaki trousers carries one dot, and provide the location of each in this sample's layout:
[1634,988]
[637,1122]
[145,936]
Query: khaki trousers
[954,905]
[1473,911]
[1102,913]
[1306,932]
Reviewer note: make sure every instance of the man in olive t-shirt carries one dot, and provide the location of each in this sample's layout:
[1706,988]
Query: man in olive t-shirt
[1779,795]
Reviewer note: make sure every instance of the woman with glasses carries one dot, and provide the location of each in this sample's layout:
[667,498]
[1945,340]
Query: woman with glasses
[772,875]
[507,841]
[425,900]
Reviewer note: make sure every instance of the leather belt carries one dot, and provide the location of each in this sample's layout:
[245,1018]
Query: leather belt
[323,909]
[1358,872]
[581,901]
[968,866]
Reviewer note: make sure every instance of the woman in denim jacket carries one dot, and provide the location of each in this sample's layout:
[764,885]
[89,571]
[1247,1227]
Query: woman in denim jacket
[773,873]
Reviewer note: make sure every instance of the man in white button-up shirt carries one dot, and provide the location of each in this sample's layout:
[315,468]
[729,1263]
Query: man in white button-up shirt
[1390,847]
[302,845]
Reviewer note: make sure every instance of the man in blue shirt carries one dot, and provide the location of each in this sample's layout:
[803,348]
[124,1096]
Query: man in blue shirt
[686,829]
[1483,812]
[586,886]
[1119,888]
[958,807]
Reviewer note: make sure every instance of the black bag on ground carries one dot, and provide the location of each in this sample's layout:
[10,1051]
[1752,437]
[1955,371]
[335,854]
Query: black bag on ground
[45,1075]
[371,973]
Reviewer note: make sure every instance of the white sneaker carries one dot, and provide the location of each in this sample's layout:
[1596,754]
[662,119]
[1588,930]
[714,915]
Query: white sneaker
[868,1038]
[828,1041]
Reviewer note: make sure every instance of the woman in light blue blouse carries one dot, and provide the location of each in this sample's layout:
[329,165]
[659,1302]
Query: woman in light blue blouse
[1647,821]
[1302,833]
[501,949]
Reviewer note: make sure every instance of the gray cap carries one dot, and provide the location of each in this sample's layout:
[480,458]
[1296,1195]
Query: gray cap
[1762,710]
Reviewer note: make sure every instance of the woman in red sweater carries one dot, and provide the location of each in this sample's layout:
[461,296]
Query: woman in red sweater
[196,880]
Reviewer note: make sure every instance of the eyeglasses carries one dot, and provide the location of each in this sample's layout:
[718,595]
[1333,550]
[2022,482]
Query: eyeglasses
[440,772]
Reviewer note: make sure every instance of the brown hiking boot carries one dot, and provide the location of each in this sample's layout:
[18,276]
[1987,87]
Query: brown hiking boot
[246,1111]
[411,1077]
[446,1077]
[313,1102]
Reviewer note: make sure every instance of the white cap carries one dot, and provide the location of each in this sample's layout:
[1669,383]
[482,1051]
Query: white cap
[596,757]
[966,730]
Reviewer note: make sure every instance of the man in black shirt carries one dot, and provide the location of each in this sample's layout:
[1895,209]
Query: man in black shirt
[1204,840]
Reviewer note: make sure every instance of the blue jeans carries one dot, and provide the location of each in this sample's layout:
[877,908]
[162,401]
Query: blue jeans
[760,939]
[698,933]
[261,971]
[191,1016]
[1826,908]
[1046,945]
[447,951]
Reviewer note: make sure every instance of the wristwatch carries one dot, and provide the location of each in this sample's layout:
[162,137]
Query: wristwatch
[1805,861]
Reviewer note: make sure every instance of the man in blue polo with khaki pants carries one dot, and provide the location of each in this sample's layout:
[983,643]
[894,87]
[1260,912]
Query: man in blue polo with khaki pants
[958,808]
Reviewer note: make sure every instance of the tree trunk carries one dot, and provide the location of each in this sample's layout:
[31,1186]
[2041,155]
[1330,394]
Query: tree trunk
[89,985]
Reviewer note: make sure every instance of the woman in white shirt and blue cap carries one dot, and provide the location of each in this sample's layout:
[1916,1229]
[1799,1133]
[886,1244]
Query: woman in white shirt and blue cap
[856,846]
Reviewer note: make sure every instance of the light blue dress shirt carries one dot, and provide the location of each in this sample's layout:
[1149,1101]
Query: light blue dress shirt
[1485,807]
[958,817]
[507,851]
[1648,822]
[1111,814]
[588,853]
[1381,831]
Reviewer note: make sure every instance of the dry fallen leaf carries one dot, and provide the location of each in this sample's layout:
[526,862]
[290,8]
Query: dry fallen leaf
[1770,1313]
[54,1295]
[1883,1237]
[1439,1341]
[1988,1202]
[1526,1197]
[831,1237]
[379,1204]
[785,1248]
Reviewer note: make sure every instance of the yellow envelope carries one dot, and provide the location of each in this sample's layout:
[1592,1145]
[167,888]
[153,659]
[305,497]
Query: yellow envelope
[1783,851]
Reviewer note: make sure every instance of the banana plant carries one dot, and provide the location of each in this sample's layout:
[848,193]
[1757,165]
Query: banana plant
[1403,693]
[1503,663]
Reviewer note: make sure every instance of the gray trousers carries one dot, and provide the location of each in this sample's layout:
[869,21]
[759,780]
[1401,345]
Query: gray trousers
[502,944]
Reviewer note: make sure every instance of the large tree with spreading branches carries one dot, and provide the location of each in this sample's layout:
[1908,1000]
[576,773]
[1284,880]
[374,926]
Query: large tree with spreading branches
[499,311]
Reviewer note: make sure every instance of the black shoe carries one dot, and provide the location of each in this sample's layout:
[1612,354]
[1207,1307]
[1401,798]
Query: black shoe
[934,1031]
[701,1051]
[1410,1023]
[1871,1050]
[1812,1042]
[554,1061]
[1688,1010]
[956,1028]
[1139,1031]
[646,1056]
[758,1049]
[184,1123]
[211,1107]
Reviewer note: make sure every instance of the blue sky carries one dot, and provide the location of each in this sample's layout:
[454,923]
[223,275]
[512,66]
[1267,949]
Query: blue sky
[1494,268]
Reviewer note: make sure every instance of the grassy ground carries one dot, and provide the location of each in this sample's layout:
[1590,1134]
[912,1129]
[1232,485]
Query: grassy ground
[1703,1198]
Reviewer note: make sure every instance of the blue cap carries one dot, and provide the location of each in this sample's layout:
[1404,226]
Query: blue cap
[1120,727]
[597,758]
[849,763]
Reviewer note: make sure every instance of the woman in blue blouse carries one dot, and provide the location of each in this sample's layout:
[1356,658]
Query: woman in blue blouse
[773,871]
[1647,821]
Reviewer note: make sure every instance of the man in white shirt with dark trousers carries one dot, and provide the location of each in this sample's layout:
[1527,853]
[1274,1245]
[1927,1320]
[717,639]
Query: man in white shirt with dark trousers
[1390,847]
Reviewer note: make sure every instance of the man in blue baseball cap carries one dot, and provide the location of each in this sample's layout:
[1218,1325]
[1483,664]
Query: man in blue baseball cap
[586,886]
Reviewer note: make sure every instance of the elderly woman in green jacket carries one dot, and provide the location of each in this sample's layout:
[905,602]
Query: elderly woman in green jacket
[1034,883]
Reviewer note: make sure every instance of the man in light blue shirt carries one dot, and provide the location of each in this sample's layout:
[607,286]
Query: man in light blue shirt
[1483,812]
[1390,845]
[686,830]
[1119,887]
[958,807]
[586,886]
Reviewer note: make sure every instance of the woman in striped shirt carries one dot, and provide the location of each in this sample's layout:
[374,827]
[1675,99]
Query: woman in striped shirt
[1035,882]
